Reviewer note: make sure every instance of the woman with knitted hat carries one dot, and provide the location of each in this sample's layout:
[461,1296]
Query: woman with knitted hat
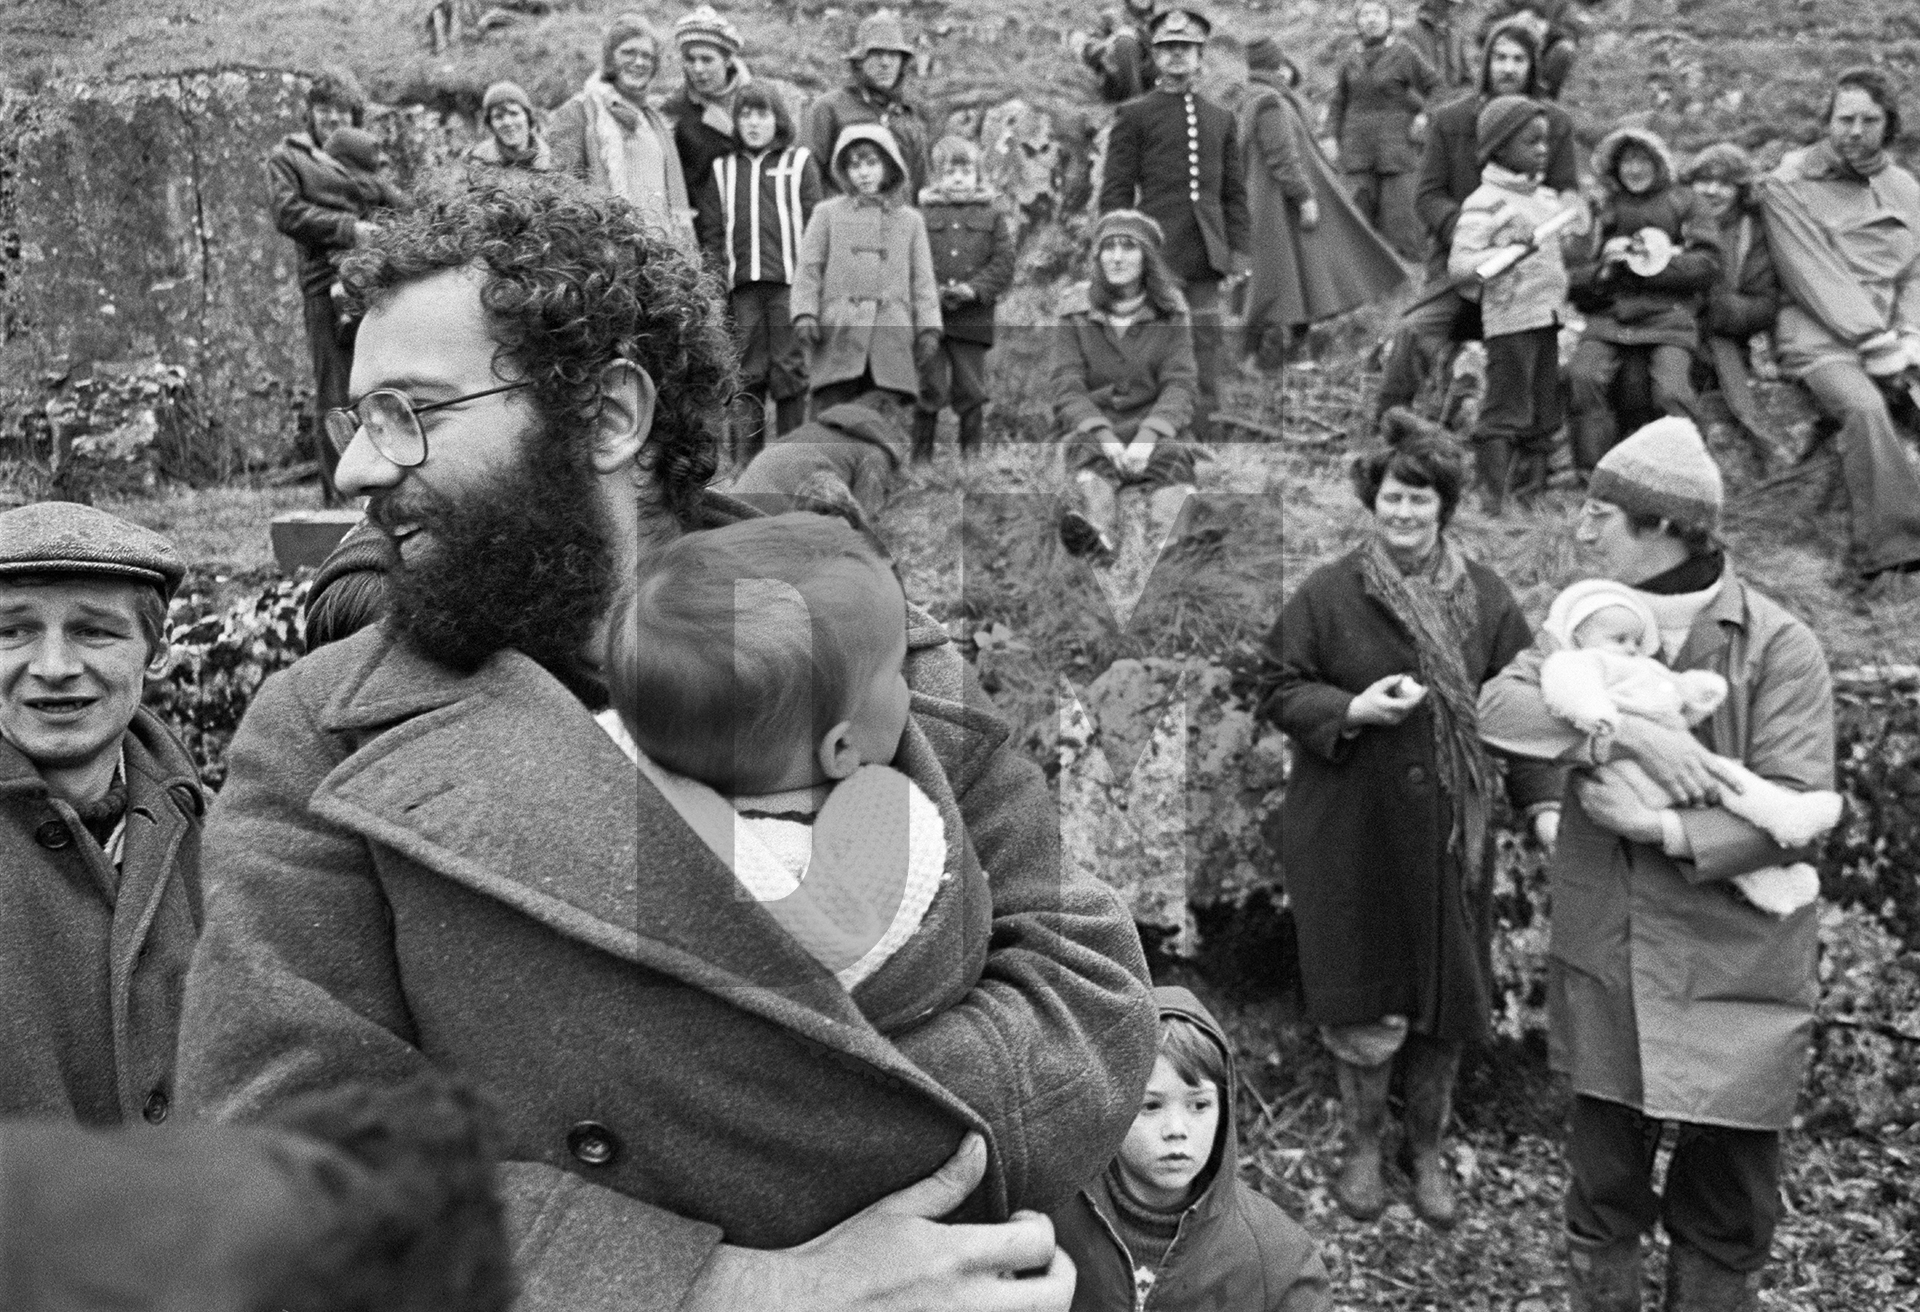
[1672,997]
[714,74]
[1385,837]
[513,139]
[1313,255]
[1745,298]
[1124,382]
[609,136]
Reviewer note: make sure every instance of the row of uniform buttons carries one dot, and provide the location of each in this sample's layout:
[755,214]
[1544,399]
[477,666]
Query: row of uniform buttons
[1193,151]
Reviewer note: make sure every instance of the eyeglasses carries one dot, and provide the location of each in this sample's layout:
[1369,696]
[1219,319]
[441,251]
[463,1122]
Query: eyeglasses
[392,422]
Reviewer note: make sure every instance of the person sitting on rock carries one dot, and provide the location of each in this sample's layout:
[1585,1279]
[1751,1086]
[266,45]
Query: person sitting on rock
[1123,382]
[513,140]
[1117,52]
[973,252]
[1655,254]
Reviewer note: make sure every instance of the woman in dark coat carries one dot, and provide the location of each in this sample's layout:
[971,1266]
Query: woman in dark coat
[1377,662]
[1745,299]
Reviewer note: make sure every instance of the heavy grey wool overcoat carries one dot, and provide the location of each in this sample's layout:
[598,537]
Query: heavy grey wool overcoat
[410,866]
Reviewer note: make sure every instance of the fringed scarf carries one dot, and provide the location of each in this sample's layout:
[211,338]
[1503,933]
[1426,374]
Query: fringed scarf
[1439,608]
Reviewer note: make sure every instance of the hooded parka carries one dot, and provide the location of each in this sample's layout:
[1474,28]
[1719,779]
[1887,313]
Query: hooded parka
[93,960]
[1666,990]
[866,273]
[1661,309]
[1235,1248]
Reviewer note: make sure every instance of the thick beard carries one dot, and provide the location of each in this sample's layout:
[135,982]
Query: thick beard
[523,560]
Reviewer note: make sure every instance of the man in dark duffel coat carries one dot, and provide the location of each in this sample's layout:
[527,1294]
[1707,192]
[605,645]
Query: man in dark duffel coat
[428,852]
[99,821]
[1173,156]
[1449,173]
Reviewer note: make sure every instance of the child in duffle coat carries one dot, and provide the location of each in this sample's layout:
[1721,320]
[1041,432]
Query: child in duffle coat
[1124,384]
[972,240]
[1653,257]
[751,216]
[866,306]
[1521,308]
[1177,1176]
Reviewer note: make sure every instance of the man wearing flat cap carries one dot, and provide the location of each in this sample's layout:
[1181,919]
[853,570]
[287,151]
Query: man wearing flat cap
[1173,155]
[99,821]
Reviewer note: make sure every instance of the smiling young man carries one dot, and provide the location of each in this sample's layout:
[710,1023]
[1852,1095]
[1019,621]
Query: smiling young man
[428,852]
[99,821]
[1670,997]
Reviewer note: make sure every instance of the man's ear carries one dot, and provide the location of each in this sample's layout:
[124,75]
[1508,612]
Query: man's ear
[838,756]
[624,425]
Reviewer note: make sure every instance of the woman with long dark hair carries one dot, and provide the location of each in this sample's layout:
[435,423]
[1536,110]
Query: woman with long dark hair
[1124,383]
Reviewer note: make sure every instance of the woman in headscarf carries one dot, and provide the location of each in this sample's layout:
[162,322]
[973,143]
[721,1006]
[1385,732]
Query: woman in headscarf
[1376,665]
[610,137]
[1314,256]
[513,139]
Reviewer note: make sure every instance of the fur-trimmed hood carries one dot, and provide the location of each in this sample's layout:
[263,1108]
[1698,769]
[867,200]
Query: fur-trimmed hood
[982,192]
[1606,158]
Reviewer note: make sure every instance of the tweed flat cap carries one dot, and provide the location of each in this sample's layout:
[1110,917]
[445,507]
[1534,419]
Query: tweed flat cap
[65,537]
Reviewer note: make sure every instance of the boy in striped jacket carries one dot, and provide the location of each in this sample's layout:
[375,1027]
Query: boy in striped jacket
[750,215]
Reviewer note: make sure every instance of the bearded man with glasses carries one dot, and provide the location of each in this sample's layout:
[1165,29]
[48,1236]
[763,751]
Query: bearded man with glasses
[428,851]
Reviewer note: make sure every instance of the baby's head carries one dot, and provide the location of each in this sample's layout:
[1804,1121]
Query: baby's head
[355,147]
[1613,627]
[1600,614]
[764,655]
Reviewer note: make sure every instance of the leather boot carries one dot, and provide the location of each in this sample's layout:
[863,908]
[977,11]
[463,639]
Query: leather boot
[1697,1283]
[1602,1277]
[1086,528]
[1430,1066]
[1492,461]
[925,424]
[789,413]
[973,424]
[1359,1190]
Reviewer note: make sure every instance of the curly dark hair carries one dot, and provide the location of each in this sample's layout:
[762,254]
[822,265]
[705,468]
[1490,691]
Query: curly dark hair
[573,280]
[1423,460]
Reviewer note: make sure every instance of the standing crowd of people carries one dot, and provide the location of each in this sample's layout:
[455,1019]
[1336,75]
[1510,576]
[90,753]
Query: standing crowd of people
[630,899]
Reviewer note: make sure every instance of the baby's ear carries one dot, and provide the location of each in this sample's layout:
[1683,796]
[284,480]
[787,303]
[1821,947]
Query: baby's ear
[838,756]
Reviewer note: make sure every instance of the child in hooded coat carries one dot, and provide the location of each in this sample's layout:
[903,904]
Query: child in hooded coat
[1654,315]
[1236,1248]
[865,302]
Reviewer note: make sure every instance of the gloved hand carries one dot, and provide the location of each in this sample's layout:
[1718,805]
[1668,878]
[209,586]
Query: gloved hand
[925,347]
[1309,214]
[806,331]
[1780,890]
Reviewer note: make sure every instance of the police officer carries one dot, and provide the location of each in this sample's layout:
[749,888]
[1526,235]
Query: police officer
[1173,156]
[99,820]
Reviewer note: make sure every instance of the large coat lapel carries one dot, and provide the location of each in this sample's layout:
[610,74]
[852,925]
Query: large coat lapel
[503,783]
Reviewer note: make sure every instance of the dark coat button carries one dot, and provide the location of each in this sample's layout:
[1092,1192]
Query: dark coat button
[593,1143]
[1416,774]
[156,1107]
[53,834]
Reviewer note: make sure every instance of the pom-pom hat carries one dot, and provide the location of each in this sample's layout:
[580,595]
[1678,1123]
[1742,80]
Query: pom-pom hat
[1663,470]
[706,26]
